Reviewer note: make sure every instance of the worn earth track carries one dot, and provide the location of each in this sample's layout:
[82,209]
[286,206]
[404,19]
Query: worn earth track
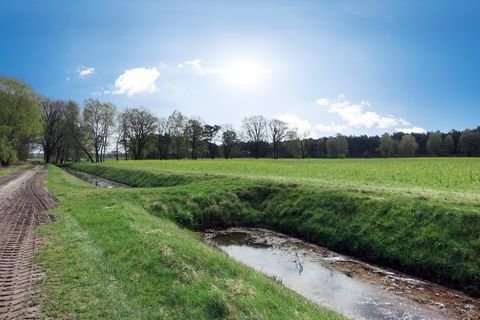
[23,206]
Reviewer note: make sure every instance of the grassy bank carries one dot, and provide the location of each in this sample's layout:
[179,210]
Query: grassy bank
[438,240]
[107,257]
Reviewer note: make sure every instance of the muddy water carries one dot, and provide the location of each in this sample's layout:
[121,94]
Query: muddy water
[355,289]
[96,181]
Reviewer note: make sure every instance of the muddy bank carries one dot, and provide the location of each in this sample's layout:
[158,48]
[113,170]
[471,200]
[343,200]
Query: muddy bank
[95,180]
[356,289]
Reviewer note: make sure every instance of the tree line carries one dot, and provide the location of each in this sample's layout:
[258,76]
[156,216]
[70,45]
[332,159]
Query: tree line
[66,131]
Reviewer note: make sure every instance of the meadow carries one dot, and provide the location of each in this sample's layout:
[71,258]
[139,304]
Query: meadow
[451,174]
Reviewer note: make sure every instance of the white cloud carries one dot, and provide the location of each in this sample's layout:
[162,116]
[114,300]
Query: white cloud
[295,122]
[196,66]
[356,114]
[332,128]
[317,130]
[411,130]
[136,80]
[323,102]
[84,72]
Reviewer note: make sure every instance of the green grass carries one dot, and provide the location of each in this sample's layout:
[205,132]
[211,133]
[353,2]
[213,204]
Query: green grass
[454,180]
[451,174]
[412,232]
[13,169]
[107,258]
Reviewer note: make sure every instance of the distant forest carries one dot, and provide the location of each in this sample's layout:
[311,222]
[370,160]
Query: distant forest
[66,131]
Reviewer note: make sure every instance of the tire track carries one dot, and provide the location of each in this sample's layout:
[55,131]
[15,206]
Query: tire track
[23,205]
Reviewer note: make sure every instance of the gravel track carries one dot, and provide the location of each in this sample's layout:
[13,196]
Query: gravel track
[23,205]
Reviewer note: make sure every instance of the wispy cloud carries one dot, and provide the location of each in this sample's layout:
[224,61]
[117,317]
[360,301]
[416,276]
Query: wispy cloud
[196,65]
[135,81]
[84,72]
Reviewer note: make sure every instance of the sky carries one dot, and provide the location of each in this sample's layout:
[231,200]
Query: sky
[324,67]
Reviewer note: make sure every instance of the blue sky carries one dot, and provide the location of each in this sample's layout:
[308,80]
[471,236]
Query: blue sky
[353,66]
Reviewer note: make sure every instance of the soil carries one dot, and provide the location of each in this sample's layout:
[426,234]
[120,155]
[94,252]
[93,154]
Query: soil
[23,206]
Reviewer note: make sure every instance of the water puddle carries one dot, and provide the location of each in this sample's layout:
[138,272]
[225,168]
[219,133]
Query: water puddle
[95,180]
[355,289]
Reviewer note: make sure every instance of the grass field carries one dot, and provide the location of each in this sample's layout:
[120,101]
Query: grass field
[452,174]
[108,258]
[402,213]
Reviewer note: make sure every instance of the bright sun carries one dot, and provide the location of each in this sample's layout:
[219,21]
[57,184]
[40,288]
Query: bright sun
[245,73]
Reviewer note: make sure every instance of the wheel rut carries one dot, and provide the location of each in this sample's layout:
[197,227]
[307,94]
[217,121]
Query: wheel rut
[23,206]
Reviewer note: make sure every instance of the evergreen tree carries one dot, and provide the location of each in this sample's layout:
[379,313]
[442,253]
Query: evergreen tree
[448,145]
[469,143]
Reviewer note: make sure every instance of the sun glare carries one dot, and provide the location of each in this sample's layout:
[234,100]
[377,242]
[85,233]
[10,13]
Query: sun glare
[245,73]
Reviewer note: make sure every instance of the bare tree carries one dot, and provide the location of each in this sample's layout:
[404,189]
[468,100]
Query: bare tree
[278,131]
[299,141]
[98,118]
[75,126]
[255,129]
[140,124]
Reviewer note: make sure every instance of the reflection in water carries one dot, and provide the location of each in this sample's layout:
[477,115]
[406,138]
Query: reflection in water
[315,276]
[96,181]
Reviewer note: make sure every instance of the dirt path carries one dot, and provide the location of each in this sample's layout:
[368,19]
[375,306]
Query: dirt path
[23,205]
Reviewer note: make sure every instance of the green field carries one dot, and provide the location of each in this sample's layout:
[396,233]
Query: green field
[453,174]
[454,180]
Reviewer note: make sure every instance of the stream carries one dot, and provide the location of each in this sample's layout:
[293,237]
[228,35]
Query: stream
[95,180]
[354,288]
